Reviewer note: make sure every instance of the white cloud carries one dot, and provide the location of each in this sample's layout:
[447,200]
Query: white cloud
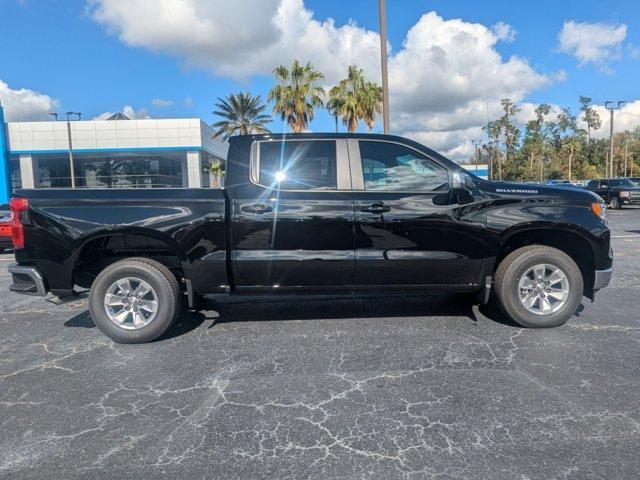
[597,43]
[447,77]
[634,52]
[25,105]
[627,118]
[441,77]
[238,39]
[504,32]
[161,102]
[129,111]
[188,102]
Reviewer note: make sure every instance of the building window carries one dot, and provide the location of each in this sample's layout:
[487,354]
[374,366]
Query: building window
[113,170]
[16,175]
[213,171]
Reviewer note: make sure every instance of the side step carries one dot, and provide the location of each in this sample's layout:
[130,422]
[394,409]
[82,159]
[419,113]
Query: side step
[62,300]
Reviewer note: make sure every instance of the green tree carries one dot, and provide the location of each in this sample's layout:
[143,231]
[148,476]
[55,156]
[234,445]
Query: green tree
[511,133]
[241,114]
[355,99]
[589,116]
[297,94]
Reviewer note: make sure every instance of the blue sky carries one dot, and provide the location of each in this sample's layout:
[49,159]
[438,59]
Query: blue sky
[97,56]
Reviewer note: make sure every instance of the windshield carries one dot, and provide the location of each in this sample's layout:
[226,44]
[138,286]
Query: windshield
[623,182]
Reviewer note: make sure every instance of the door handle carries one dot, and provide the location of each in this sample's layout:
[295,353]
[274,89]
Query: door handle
[376,208]
[257,208]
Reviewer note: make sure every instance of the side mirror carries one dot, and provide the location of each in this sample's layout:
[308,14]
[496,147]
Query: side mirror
[461,185]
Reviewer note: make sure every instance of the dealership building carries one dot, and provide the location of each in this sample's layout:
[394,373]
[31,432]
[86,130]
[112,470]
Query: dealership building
[113,153]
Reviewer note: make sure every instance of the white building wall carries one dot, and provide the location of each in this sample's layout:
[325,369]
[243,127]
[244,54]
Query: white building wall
[108,134]
[28,172]
[194,169]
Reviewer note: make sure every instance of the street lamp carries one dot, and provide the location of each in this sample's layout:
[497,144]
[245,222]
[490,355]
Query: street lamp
[382,6]
[610,106]
[73,176]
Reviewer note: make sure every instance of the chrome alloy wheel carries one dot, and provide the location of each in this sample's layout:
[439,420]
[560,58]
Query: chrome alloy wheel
[543,289]
[131,303]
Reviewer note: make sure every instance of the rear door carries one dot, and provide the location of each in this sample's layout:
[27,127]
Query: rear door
[292,222]
[408,229]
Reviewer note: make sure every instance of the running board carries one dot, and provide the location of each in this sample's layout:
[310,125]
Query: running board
[62,300]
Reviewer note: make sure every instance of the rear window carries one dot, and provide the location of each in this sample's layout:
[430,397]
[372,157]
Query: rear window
[297,165]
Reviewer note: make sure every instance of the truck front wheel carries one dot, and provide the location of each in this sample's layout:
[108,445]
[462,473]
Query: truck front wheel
[134,300]
[615,204]
[539,286]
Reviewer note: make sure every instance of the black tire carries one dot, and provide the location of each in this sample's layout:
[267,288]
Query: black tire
[159,277]
[615,204]
[516,264]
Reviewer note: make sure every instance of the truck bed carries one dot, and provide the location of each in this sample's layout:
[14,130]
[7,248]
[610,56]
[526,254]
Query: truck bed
[65,227]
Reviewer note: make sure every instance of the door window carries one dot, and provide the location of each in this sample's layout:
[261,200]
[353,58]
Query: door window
[297,165]
[393,167]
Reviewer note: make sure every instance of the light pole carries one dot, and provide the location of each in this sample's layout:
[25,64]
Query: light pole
[383,60]
[610,106]
[72,171]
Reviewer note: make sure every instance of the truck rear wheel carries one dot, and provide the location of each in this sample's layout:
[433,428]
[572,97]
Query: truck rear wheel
[134,300]
[539,286]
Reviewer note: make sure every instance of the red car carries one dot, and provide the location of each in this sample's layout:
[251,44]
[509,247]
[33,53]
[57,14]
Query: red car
[5,228]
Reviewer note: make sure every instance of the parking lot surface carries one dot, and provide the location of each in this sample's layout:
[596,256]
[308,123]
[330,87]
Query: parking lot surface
[342,387]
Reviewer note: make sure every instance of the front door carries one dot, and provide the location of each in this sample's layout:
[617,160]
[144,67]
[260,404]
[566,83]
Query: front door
[407,228]
[292,224]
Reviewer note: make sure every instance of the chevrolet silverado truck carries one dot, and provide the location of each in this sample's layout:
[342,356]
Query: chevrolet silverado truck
[617,192]
[313,213]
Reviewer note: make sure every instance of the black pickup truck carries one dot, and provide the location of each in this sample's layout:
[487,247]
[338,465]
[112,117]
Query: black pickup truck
[617,192]
[313,213]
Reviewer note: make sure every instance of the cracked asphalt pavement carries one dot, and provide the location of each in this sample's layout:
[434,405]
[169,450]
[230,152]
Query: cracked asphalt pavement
[341,387]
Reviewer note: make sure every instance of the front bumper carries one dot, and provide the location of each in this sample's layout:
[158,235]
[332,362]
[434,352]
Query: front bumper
[602,279]
[26,280]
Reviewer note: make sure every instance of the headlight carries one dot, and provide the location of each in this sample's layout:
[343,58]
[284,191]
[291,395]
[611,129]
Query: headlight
[600,209]
[624,194]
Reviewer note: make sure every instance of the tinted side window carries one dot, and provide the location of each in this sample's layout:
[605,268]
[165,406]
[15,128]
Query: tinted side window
[299,165]
[393,167]
[592,185]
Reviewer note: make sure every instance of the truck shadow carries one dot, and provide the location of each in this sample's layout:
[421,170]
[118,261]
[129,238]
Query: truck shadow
[221,309]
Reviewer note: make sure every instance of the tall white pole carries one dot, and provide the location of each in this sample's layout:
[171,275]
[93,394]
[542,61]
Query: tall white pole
[383,60]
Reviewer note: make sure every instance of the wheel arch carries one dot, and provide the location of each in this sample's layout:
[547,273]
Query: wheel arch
[566,238]
[97,250]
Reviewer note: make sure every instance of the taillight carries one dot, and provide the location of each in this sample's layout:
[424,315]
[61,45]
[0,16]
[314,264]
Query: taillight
[17,206]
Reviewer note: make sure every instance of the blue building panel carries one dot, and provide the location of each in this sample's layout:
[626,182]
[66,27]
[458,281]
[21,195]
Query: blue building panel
[5,172]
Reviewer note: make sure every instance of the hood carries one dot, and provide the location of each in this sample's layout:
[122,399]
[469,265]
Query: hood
[576,195]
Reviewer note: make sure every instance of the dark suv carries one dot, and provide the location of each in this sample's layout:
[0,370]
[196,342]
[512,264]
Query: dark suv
[617,192]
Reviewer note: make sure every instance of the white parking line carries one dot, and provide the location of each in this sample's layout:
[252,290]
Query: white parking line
[625,236]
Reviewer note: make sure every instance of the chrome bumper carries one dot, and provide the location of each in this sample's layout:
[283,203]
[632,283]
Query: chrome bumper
[26,280]
[602,279]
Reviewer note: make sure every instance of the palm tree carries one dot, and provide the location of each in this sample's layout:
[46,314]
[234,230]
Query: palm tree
[241,115]
[297,94]
[355,99]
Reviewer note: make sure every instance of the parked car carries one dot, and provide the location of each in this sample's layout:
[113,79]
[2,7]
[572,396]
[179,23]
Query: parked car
[617,192]
[5,228]
[313,213]
[635,180]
